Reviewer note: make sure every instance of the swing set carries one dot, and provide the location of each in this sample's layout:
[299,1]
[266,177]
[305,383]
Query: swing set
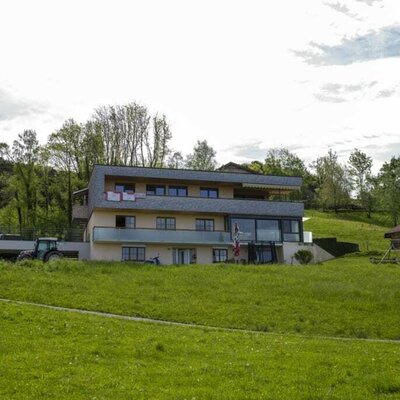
[392,253]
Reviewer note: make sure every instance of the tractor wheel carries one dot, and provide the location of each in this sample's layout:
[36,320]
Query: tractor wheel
[52,256]
[22,257]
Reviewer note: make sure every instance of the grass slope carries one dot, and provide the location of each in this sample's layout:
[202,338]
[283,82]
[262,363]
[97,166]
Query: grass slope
[347,297]
[350,227]
[46,354]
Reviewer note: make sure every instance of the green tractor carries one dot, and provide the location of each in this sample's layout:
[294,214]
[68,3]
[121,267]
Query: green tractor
[45,249]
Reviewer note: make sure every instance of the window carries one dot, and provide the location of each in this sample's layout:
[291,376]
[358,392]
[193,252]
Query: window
[124,187]
[179,191]
[291,230]
[268,230]
[165,223]
[209,192]
[124,221]
[247,228]
[133,254]
[220,255]
[155,190]
[204,224]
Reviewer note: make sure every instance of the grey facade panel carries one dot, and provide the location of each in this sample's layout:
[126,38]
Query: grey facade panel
[189,204]
[201,176]
[205,205]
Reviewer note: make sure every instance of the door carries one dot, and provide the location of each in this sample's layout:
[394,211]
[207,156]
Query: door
[183,256]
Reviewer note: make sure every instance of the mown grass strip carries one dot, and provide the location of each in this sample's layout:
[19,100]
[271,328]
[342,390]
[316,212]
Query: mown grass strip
[48,354]
[348,297]
[182,324]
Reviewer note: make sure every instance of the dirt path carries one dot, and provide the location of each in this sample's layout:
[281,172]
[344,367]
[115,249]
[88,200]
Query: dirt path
[189,325]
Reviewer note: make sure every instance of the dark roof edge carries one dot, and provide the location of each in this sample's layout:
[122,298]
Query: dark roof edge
[192,170]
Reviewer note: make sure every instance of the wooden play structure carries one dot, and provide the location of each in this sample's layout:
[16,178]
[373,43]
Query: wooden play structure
[392,255]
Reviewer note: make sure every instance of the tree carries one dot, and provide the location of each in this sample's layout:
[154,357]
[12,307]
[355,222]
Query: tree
[175,160]
[131,136]
[202,158]
[281,161]
[65,146]
[362,179]
[92,148]
[158,149]
[24,156]
[333,183]
[388,186]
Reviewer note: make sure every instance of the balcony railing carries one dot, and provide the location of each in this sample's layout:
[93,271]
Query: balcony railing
[205,205]
[141,235]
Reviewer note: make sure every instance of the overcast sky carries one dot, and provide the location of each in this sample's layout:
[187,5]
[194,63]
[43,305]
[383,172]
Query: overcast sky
[244,75]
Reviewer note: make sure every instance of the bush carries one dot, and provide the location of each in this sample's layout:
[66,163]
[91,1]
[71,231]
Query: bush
[303,256]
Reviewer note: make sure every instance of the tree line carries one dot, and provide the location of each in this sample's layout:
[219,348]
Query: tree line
[37,181]
[331,185]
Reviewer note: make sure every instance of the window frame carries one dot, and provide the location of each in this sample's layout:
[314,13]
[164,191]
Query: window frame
[165,226]
[151,192]
[124,185]
[125,216]
[217,259]
[133,253]
[178,188]
[291,231]
[208,190]
[204,224]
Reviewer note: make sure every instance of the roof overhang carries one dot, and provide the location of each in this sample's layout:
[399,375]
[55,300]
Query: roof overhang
[81,192]
[263,186]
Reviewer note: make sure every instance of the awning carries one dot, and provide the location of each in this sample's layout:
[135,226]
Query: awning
[261,186]
[393,232]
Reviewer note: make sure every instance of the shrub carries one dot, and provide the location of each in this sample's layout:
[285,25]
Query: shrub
[303,256]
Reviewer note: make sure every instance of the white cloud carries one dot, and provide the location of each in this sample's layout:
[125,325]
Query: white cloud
[222,71]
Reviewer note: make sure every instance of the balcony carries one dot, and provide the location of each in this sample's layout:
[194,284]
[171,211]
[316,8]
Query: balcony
[80,212]
[206,205]
[140,235]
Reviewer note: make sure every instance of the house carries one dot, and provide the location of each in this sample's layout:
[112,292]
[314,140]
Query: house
[189,216]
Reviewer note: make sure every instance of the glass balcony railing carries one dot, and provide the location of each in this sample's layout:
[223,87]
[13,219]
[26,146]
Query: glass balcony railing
[140,235]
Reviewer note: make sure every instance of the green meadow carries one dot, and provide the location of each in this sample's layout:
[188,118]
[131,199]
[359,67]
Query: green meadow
[327,331]
[48,354]
[352,227]
[347,297]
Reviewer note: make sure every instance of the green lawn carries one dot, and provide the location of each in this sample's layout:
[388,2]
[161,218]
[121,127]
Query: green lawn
[46,354]
[346,297]
[350,227]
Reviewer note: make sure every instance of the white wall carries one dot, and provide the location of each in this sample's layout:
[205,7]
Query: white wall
[319,254]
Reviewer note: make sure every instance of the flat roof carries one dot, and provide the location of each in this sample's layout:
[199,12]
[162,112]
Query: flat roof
[197,175]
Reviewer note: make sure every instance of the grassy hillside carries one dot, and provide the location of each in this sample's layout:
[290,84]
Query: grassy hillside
[350,227]
[346,297]
[45,354]
[61,355]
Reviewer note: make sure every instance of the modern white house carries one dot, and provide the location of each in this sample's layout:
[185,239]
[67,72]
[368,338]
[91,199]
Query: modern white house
[189,216]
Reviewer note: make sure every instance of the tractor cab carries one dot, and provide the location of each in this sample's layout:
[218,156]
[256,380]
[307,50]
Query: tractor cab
[43,245]
[45,249]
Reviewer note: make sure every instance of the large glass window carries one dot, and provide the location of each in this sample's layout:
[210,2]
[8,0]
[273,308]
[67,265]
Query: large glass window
[204,224]
[179,191]
[124,187]
[268,230]
[209,192]
[247,228]
[291,230]
[220,255]
[124,221]
[133,254]
[165,223]
[155,190]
